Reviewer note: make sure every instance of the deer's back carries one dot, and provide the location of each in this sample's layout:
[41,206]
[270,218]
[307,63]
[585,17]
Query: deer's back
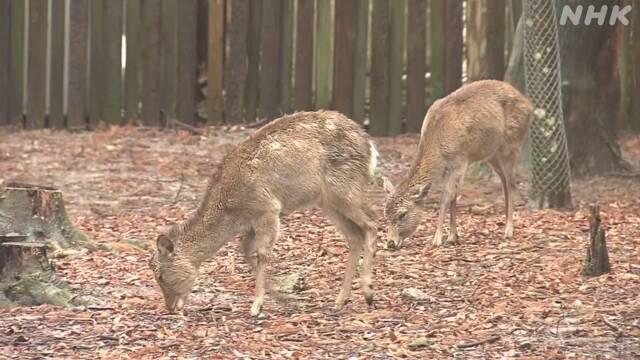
[476,120]
[291,160]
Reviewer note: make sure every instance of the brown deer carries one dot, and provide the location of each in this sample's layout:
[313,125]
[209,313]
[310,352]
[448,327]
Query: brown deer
[305,159]
[484,120]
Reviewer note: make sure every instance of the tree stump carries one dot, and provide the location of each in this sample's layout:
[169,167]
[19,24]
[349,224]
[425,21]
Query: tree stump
[38,212]
[26,275]
[33,220]
[597,260]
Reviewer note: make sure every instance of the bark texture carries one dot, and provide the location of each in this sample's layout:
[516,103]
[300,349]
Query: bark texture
[26,275]
[597,260]
[33,221]
[39,214]
[590,93]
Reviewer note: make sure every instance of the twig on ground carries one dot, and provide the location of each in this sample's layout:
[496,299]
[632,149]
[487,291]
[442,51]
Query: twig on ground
[478,342]
[613,326]
[623,174]
[194,130]
[175,199]
[256,124]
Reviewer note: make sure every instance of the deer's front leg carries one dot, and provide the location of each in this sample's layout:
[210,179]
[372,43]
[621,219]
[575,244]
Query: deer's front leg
[266,232]
[444,205]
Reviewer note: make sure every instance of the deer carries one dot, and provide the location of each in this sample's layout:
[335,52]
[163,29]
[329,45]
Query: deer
[306,159]
[485,120]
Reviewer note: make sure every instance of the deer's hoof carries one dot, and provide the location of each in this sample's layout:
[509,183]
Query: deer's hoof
[393,246]
[256,308]
[452,240]
[368,297]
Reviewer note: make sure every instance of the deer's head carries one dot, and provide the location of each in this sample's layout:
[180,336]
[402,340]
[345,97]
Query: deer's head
[403,210]
[173,271]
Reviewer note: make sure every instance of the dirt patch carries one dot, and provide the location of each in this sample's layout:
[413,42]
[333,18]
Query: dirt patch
[484,298]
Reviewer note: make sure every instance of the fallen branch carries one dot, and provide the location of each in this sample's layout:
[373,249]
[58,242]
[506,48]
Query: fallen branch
[613,326]
[194,130]
[256,124]
[623,174]
[478,342]
[175,198]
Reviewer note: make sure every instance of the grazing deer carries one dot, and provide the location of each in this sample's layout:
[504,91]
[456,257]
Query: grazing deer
[300,160]
[484,120]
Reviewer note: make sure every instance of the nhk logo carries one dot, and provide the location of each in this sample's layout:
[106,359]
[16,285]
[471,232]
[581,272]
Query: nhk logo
[575,15]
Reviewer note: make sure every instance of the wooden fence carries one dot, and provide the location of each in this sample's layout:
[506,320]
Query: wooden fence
[79,63]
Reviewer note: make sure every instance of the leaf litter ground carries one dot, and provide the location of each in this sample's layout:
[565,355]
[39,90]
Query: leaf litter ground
[484,298]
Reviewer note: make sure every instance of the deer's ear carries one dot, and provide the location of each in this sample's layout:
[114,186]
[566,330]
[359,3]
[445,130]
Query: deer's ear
[421,193]
[164,245]
[388,186]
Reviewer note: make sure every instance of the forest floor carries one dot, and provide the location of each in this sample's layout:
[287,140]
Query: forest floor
[484,298]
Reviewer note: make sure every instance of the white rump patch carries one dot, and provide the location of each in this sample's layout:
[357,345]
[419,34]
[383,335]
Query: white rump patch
[373,162]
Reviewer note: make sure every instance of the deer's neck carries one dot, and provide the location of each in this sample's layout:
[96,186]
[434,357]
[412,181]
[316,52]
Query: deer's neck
[208,229]
[425,169]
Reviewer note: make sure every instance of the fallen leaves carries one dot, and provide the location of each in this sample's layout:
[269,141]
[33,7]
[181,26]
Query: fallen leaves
[484,298]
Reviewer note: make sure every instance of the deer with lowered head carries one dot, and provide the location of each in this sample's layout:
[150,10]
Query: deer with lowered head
[301,160]
[482,121]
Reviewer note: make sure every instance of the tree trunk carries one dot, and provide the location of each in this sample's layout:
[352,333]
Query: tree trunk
[515,67]
[476,47]
[590,93]
[495,39]
[597,260]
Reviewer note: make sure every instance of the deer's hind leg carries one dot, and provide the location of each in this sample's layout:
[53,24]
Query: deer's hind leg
[504,165]
[247,244]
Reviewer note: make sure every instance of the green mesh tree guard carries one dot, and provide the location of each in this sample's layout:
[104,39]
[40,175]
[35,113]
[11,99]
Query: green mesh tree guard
[551,176]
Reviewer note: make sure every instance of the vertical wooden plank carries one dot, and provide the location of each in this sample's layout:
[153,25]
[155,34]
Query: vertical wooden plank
[495,38]
[270,71]
[202,38]
[360,60]
[132,74]
[416,65]
[113,61]
[453,47]
[187,61]
[169,81]
[17,62]
[56,76]
[304,55]
[77,64]
[624,33]
[253,76]
[516,11]
[345,36]
[5,48]
[215,113]
[476,39]
[437,51]
[96,67]
[324,54]
[236,64]
[286,74]
[37,68]
[634,68]
[150,63]
[379,68]
[396,65]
